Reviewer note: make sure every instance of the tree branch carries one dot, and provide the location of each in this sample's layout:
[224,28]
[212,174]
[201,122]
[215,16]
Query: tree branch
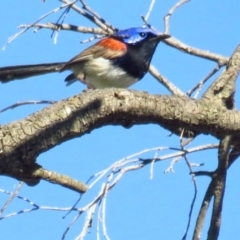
[203,212]
[223,89]
[173,42]
[68,27]
[219,187]
[92,109]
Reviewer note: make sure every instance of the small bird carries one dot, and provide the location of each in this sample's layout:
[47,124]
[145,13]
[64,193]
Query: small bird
[118,60]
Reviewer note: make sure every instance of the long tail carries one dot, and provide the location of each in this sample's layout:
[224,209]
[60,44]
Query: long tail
[12,73]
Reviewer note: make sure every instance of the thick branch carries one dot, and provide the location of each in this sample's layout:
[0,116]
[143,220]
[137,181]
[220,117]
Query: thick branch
[223,89]
[61,179]
[219,188]
[24,140]
[203,211]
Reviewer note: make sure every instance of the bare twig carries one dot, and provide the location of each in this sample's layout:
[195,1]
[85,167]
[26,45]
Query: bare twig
[150,9]
[198,87]
[91,39]
[88,222]
[63,17]
[74,205]
[169,14]
[68,27]
[19,197]
[103,207]
[130,159]
[42,17]
[171,166]
[35,206]
[181,153]
[18,104]
[104,218]
[193,200]
[12,196]
[133,159]
[146,23]
[96,15]
[113,174]
[171,87]
[194,184]
[173,42]
[71,224]
[145,18]
[92,18]
[152,164]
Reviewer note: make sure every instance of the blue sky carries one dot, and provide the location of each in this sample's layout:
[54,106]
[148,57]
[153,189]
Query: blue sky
[138,207]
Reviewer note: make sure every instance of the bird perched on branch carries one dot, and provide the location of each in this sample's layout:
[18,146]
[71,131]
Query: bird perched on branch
[118,60]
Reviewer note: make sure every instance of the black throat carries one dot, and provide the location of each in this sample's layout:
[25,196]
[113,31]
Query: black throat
[138,57]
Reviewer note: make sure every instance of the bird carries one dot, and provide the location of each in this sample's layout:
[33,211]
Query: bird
[118,60]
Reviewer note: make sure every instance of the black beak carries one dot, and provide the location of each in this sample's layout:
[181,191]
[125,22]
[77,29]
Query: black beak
[162,36]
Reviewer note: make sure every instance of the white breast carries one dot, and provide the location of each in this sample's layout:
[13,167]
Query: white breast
[101,73]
